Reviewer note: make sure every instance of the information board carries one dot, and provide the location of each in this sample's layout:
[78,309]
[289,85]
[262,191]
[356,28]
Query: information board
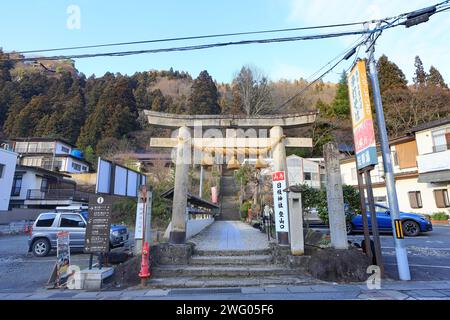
[98,227]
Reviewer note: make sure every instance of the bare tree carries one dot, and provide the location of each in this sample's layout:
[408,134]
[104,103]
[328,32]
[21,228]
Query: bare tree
[254,91]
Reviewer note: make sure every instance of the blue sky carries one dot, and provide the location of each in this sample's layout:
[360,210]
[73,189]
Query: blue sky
[26,25]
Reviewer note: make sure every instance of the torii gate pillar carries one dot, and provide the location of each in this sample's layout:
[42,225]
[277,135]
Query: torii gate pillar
[183,159]
[279,161]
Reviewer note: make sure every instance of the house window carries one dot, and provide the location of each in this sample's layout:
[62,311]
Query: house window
[44,185]
[2,169]
[84,168]
[415,199]
[307,176]
[395,157]
[380,199]
[441,140]
[441,198]
[64,149]
[76,166]
[16,186]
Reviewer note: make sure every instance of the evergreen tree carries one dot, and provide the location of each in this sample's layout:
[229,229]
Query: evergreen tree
[341,102]
[420,77]
[204,96]
[390,75]
[114,115]
[435,78]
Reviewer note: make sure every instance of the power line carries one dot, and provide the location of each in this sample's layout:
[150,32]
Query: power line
[217,35]
[198,47]
[321,76]
[195,37]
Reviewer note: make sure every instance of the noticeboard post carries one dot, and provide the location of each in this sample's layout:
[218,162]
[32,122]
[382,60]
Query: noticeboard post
[98,227]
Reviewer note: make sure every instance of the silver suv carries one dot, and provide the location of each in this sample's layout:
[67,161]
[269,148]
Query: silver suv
[43,235]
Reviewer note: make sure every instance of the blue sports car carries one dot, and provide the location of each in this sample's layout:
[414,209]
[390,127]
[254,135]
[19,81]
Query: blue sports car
[413,223]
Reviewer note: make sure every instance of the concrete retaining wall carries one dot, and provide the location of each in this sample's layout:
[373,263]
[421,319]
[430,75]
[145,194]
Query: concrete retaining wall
[193,227]
[18,214]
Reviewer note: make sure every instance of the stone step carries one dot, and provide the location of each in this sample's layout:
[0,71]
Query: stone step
[231,260]
[232,253]
[218,282]
[222,271]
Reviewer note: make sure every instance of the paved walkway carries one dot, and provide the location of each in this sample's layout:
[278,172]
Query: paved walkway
[230,235]
[390,290]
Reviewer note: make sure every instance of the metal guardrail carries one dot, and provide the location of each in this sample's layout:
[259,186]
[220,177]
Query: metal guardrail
[57,194]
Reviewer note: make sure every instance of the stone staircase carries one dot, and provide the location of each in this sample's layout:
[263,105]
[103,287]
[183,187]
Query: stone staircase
[229,197]
[229,268]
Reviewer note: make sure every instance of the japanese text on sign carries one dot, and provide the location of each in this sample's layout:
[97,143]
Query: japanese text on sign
[363,132]
[280,205]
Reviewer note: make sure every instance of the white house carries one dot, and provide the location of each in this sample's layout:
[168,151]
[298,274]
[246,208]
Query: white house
[421,168]
[304,171]
[50,154]
[8,161]
[38,188]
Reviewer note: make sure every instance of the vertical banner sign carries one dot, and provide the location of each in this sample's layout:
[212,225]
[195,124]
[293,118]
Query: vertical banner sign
[63,257]
[139,230]
[363,133]
[280,205]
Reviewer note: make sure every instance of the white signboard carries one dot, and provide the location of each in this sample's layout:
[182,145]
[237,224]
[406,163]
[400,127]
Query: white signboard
[280,204]
[118,180]
[139,232]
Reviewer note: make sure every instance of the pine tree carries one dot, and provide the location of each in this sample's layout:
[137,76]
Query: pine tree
[435,78]
[420,77]
[390,75]
[204,96]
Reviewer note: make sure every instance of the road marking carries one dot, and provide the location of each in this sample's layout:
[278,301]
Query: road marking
[36,261]
[427,248]
[421,266]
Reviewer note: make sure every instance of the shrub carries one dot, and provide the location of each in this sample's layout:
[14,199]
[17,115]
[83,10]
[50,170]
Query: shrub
[124,211]
[439,216]
[244,208]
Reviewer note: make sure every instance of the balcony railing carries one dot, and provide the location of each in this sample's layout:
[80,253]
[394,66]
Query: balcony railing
[441,147]
[57,194]
[34,150]
[432,162]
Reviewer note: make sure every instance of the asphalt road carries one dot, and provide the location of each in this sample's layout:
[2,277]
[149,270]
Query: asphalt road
[428,254]
[429,258]
[20,270]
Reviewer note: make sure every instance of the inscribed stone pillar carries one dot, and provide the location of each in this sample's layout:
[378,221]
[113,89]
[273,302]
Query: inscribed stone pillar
[335,197]
[183,160]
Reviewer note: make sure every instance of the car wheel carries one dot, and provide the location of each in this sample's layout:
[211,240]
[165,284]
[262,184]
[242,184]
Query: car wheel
[41,247]
[411,228]
[349,228]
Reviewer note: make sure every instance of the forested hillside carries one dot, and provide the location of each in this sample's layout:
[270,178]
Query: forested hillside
[101,114]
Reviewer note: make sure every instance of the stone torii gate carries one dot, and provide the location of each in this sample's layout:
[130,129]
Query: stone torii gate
[232,144]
